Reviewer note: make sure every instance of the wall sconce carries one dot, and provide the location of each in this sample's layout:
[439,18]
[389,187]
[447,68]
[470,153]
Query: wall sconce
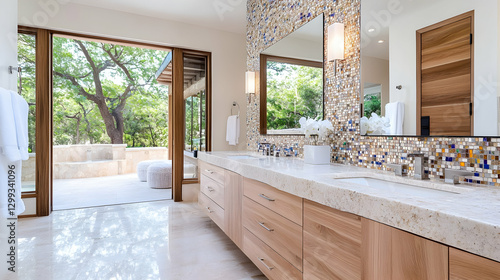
[250,84]
[335,43]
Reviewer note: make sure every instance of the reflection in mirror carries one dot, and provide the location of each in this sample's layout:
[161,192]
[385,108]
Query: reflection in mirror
[292,80]
[436,62]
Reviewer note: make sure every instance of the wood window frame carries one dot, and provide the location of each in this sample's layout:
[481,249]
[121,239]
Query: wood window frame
[178,122]
[419,33]
[44,112]
[264,58]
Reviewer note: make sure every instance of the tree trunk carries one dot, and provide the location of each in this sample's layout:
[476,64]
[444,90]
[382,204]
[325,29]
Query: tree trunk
[114,131]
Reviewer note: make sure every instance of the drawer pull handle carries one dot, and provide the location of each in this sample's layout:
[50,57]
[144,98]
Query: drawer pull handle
[209,171]
[209,211]
[268,267]
[210,189]
[266,197]
[264,226]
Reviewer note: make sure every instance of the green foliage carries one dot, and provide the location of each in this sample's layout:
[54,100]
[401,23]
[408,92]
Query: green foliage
[26,59]
[78,120]
[195,126]
[372,105]
[293,91]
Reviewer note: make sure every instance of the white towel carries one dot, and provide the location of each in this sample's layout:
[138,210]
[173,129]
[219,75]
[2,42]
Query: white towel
[14,168]
[8,136]
[395,112]
[21,109]
[233,130]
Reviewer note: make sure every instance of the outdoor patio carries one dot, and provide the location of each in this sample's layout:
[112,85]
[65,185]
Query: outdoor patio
[101,191]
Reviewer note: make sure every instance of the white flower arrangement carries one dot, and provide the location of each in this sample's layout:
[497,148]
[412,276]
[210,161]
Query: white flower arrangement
[375,125]
[320,129]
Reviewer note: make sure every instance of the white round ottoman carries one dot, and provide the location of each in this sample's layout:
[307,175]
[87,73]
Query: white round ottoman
[142,169]
[160,175]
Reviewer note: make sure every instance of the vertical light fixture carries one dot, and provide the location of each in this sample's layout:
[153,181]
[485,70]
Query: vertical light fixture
[250,84]
[336,43]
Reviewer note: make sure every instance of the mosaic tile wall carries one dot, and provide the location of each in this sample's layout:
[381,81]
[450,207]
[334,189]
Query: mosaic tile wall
[268,21]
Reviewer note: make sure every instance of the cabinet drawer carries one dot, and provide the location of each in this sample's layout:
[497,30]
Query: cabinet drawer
[213,190]
[267,260]
[285,204]
[465,266]
[213,172]
[214,211]
[281,234]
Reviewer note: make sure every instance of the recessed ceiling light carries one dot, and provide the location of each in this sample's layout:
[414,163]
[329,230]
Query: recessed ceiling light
[371,30]
[381,41]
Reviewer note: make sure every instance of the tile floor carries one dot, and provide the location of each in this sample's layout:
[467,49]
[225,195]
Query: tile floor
[154,240]
[110,190]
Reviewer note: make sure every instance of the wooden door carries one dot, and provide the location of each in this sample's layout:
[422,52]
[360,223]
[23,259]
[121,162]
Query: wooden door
[332,243]
[390,253]
[465,266]
[445,77]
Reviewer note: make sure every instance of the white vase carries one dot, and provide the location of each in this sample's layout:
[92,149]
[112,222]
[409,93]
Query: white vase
[316,154]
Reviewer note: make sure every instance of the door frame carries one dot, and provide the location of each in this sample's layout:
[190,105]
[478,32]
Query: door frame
[419,33]
[44,112]
[178,123]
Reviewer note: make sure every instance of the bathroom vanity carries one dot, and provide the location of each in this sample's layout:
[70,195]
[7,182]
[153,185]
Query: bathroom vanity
[299,221]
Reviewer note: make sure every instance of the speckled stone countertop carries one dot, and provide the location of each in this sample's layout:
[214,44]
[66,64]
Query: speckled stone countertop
[468,219]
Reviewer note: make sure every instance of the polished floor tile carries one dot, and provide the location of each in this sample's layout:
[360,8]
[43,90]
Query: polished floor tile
[154,240]
[99,191]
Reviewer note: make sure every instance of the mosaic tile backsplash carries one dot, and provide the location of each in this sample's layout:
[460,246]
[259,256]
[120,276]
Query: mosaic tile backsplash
[269,21]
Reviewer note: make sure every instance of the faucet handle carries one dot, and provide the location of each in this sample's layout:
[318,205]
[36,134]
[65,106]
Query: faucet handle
[452,175]
[399,169]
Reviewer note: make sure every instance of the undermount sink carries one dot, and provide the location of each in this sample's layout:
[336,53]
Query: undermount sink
[242,157]
[396,187]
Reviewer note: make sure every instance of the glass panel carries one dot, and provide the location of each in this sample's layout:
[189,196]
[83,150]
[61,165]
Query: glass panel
[293,91]
[27,88]
[109,114]
[195,112]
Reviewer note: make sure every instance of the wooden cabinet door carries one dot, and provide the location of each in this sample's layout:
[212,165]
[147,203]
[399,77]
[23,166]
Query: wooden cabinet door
[390,253]
[233,203]
[332,243]
[465,266]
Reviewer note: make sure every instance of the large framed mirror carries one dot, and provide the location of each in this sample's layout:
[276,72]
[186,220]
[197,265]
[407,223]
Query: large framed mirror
[429,68]
[291,80]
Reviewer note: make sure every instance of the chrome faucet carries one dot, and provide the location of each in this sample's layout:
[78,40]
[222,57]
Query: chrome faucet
[419,166]
[452,175]
[399,169]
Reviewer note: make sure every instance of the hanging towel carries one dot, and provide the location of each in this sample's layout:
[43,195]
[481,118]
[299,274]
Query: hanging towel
[8,135]
[14,168]
[20,108]
[13,149]
[233,130]
[395,112]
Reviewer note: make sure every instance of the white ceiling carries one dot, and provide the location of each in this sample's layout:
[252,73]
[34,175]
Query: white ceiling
[226,15]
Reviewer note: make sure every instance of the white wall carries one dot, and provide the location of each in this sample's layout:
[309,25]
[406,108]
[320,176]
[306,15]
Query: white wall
[403,62]
[8,57]
[297,48]
[228,49]
[376,71]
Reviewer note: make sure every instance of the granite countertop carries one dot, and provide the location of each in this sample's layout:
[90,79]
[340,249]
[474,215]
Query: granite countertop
[468,219]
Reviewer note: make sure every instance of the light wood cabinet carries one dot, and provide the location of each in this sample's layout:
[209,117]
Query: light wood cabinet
[214,211]
[281,234]
[213,172]
[390,253]
[466,266]
[267,260]
[332,243]
[213,190]
[233,207]
[285,204]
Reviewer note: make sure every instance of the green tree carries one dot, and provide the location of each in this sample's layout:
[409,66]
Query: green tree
[293,91]
[93,77]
